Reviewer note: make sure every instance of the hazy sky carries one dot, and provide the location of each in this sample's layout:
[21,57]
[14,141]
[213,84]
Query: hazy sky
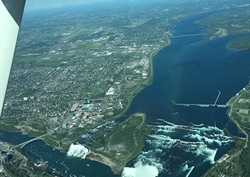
[43,4]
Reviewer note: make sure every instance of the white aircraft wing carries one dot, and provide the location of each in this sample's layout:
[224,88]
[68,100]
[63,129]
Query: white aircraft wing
[11,12]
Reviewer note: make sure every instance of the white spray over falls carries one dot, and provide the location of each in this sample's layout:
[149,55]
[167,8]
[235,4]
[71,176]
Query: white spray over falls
[140,170]
[78,150]
[177,150]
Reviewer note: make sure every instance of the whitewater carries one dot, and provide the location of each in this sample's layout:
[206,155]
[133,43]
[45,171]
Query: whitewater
[78,150]
[176,150]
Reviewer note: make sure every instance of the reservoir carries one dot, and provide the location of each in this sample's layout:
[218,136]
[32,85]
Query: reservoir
[191,70]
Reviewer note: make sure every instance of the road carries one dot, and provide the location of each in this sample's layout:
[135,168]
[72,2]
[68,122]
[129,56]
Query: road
[237,124]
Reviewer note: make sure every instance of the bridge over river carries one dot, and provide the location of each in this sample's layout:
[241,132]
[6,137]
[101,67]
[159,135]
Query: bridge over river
[21,145]
[186,35]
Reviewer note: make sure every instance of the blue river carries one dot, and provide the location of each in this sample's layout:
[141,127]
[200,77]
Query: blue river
[189,139]
[191,70]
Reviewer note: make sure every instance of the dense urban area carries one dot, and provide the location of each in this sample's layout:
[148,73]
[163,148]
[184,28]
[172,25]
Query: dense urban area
[79,67]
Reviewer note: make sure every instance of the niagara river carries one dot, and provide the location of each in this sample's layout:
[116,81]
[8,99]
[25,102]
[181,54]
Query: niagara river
[187,140]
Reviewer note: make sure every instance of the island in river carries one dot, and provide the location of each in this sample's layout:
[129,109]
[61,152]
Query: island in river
[117,144]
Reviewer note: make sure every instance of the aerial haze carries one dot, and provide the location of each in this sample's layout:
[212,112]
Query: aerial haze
[36,4]
[132,88]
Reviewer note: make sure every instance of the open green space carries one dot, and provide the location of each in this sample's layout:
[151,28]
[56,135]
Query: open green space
[240,43]
[123,142]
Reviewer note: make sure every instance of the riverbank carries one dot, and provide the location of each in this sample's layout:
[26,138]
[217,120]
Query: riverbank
[122,144]
[95,156]
[238,157]
[178,74]
[115,167]
[220,25]
[56,143]
[129,96]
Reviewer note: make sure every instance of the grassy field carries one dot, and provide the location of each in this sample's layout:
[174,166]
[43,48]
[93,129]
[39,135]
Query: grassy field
[123,142]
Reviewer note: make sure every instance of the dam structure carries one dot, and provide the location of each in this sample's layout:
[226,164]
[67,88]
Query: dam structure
[202,105]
